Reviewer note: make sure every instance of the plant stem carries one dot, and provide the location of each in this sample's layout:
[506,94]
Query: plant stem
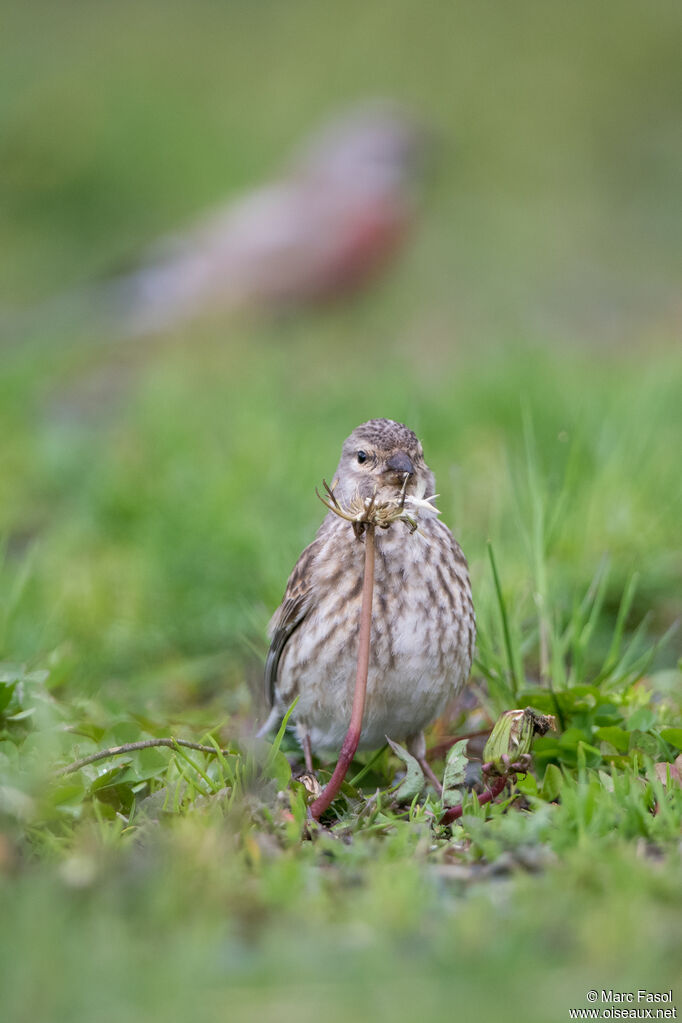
[455,812]
[131,747]
[350,743]
[368,766]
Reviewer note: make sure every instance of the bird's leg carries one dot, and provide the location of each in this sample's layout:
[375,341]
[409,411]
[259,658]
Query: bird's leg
[416,745]
[307,753]
[430,776]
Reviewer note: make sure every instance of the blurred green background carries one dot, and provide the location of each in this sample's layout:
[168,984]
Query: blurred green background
[156,494]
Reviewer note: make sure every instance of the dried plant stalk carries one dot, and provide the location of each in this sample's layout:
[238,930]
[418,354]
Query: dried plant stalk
[132,747]
[350,743]
[365,515]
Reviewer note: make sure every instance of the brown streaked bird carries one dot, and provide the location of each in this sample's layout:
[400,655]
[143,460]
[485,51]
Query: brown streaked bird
[423,623]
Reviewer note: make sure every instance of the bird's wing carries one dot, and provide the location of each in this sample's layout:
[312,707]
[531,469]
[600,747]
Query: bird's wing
[289,615]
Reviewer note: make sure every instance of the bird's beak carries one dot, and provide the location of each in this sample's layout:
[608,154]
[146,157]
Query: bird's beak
[400,464]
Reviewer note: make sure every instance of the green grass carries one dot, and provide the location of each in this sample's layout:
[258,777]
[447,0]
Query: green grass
[155,497]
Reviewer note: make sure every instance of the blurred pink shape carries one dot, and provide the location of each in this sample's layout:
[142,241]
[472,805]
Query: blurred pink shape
[321,231]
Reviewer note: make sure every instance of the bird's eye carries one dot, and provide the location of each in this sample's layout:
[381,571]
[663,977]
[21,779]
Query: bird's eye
[362,457]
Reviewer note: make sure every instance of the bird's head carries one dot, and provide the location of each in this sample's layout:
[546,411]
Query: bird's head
[382,456]
[377,147]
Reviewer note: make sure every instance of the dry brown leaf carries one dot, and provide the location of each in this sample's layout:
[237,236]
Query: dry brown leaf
[675,770]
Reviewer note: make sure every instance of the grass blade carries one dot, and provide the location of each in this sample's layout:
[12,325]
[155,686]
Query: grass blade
[505,621]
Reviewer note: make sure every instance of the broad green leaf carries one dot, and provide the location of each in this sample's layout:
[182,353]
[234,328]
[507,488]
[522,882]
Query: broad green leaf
[551,783]
[414,781]
[22,715]
[280,770]
[527,784]
[453,776]
[641,719]
[617,737]
[546,749]
[110,776]
[568,701]
[673,736]
[571,738]
[122,732]
[647,743]
[151,762]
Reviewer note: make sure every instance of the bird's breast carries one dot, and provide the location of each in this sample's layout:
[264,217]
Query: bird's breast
[421,639]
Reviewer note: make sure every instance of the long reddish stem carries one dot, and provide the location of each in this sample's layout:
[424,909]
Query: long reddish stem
[455,812]
[350,743]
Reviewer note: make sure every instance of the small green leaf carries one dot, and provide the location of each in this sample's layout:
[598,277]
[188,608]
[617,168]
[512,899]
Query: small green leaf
[551,783]
[68,794]
[527,784]
[453,777]
[151,762]
[22,715]
[109,777]
[607,714]
[280,770]
[414,781]
[571,738]
[539,698]
[642,741]
[6,692]
[617,737]
[641,719]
